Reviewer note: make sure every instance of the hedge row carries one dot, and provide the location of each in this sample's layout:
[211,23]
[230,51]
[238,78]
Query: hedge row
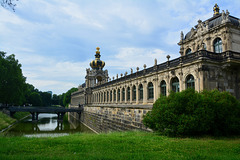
[189,113]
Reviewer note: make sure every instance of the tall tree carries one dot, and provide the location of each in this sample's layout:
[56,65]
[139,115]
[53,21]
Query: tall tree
[55,99]
[67,96]
[61,97]
[11,80]
[35,99]
[46,98]
[28,90]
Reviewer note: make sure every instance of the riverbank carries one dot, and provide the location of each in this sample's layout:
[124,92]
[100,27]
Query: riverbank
[119,145]
[6,121]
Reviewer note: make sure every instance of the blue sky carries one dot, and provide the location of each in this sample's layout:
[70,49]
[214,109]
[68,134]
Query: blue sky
[55,40]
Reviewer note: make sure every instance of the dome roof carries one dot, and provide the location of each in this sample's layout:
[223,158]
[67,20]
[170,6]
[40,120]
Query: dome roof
[97,63]
[217,20]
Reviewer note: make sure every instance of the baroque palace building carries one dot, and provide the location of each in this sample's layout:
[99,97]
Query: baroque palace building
[209,59]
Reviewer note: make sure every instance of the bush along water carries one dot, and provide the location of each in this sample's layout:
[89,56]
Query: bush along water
[189,113]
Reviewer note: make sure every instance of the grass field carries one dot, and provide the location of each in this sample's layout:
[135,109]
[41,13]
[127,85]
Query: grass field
[119,145]
[5,120]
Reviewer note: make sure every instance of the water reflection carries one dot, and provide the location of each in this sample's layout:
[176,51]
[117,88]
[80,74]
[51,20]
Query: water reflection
[47,125]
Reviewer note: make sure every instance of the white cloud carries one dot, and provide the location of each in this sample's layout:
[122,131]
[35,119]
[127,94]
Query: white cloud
[134,57]
[55,40]
[49,74]
[47,85]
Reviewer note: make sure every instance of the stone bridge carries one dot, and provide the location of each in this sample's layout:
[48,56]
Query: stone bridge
[35,111]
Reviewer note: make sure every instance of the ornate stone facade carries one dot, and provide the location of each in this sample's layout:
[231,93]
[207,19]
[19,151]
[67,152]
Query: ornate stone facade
[209,59]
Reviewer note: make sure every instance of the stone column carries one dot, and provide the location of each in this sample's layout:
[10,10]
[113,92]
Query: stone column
[155,90]
[112,95]
[100,97]
[144,92]
[168,86]
[181,83]
[116,95]
[120,101]
[201,81]
[125,94]
[209,45]
[131,94]
[137,94]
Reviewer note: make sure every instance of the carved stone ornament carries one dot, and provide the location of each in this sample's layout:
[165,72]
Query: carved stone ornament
[144,66]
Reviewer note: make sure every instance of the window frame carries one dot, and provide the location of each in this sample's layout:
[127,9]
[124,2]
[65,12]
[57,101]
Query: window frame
[175,85]
[190,83]
[163,88]
[134,93]
[217,45]
[140,92]
[188,51]
[150,90]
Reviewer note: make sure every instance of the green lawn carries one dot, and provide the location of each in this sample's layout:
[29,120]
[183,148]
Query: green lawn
[20,115]
[119,145]
[5,120]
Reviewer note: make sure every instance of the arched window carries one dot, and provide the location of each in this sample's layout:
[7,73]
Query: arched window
[140,91]
[123,94]
[118,99]
[150,90]
[110,96]
[188,51]
[217,44]
[134,93]
[163,88]
[115,95]
[128,93]
[175,85]
[190,82]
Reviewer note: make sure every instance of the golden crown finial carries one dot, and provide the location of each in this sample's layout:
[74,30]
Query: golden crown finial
[98,52]
[216,9]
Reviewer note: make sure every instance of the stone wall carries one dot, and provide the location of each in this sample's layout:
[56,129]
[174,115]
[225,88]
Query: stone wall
[107,119]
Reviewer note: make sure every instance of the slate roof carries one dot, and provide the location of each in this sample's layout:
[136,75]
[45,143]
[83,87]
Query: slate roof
[216,21]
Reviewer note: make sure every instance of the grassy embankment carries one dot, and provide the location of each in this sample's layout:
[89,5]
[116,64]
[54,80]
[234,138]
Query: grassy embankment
[5,120]
[119,145]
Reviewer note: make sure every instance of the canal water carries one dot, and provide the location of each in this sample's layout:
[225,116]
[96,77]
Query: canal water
[47,126]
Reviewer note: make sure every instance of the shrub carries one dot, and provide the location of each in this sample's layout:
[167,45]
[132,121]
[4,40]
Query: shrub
[189,113]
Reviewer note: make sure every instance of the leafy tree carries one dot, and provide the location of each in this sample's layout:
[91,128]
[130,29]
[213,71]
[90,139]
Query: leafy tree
[55,99]
[28,90]
[190,113]
[11,80]
[67,96]
[35,99]
[61,97]
[46,98]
